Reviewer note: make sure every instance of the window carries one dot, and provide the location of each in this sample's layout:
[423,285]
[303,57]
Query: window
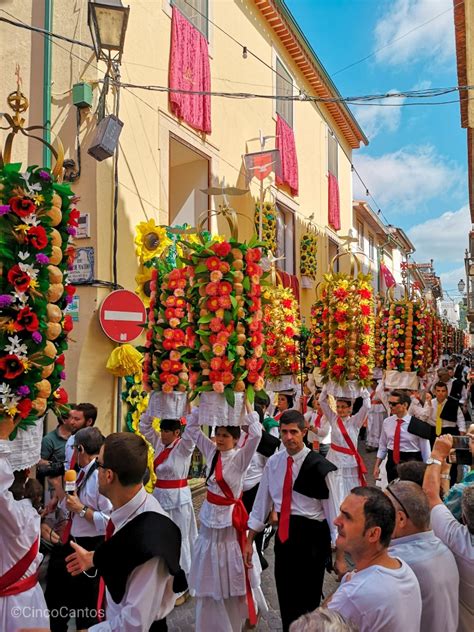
[371,247]
[284,87]
[332,153]
[197,12]
[285,235]
[333,251]
[360,235]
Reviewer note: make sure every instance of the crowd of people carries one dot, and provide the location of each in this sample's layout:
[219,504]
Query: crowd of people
[120,558]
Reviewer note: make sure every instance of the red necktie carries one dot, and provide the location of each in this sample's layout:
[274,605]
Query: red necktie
[284,525]
[68,527]
[101,597]
[317,423]
[396,442]
[72,464]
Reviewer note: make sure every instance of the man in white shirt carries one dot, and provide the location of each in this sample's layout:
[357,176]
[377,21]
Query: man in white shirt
[81,416]
[431,560]
[139,560]
[382,594]
[89,513]
[396,442]
[459,538]
[293,481]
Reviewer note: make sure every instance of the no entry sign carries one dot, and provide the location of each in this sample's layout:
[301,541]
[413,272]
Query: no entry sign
[122,316]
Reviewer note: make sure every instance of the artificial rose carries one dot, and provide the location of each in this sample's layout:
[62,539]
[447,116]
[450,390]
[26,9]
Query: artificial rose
[11,366]
[19,279]
[253,255]
[218,387]
[22,206]
[213,263]
[221,249]
[24,407]
[68,323]
[60,395]
[26,319]
[37,237]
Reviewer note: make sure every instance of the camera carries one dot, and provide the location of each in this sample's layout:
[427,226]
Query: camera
[51,470]
[461,443]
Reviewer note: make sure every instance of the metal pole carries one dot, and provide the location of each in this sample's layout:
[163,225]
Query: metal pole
[48,25]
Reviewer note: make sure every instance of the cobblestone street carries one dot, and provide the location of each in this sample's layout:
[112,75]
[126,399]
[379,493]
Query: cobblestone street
[182,618]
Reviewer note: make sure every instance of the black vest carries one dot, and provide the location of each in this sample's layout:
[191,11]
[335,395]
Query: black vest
[148,535]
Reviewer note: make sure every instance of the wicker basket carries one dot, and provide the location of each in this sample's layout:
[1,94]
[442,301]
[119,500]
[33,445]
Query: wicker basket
[402,379]
[167,405]
[350,390]
[215,411]
[26,447]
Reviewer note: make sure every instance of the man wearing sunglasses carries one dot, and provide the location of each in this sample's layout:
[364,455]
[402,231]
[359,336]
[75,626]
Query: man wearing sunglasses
[434,565]
[138,563]
[396,443]
[89,513]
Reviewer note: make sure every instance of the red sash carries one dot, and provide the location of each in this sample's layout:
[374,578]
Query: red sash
[165,484]
[11,582]
[351,450]
[164,455]
[239,522]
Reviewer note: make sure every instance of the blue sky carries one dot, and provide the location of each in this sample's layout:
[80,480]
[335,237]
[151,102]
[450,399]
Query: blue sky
[416,163]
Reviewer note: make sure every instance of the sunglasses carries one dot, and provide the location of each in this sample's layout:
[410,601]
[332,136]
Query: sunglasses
[392,493]
[104,467]
[393,403]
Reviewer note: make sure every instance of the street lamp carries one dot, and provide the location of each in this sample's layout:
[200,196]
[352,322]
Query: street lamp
[461,286]
[107,20]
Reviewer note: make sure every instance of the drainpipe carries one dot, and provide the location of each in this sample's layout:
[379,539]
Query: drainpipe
[48,24]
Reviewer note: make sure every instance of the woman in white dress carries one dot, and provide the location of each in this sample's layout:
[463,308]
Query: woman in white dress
[343,451]
[226,593]
[319,429]
[375,417]
[22,603]
[173,454]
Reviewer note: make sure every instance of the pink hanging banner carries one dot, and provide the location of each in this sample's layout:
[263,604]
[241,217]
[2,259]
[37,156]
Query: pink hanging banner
[285,142]
[334,210]
[189,70]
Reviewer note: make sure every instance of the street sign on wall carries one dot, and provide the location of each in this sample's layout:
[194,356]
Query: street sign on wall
[122,315]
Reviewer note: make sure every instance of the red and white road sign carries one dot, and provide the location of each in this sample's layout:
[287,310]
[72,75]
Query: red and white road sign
[122,316]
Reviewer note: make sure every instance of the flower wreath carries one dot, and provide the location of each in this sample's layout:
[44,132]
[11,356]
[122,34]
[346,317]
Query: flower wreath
[349,315]
[226,297]
[309,255]
[38,220]
[281,323]
[269,225]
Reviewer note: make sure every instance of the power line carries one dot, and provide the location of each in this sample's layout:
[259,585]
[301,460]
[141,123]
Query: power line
[358,100]
[36,29]
[397,39]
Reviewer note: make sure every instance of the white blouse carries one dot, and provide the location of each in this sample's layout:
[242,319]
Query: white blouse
[234,467]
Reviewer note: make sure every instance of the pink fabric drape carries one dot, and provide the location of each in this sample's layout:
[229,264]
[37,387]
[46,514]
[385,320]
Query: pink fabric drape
[285,142]
[334,210]
[189,70]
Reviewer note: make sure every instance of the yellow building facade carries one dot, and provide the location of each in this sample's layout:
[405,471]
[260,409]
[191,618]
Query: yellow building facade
[164,163]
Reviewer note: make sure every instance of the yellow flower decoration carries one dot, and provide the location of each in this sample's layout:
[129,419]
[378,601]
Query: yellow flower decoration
[151,240]
[143,279]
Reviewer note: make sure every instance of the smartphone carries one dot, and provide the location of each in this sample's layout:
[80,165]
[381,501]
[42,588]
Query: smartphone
[461,443]
[463,457]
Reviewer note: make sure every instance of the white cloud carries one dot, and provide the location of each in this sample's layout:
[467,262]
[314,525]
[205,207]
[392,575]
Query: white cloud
[407,178]
[434,39]
[377,118]
[442,238]
[450,280]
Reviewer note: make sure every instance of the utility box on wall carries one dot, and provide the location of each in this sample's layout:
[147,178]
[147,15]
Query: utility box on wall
[82,95]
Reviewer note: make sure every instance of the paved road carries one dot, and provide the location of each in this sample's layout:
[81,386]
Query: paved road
[182,618]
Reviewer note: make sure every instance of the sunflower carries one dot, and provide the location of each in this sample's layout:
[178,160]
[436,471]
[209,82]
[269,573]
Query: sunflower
[143,280]
[151,240]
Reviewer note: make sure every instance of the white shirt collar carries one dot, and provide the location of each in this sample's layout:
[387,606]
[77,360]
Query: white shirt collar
[122,515]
